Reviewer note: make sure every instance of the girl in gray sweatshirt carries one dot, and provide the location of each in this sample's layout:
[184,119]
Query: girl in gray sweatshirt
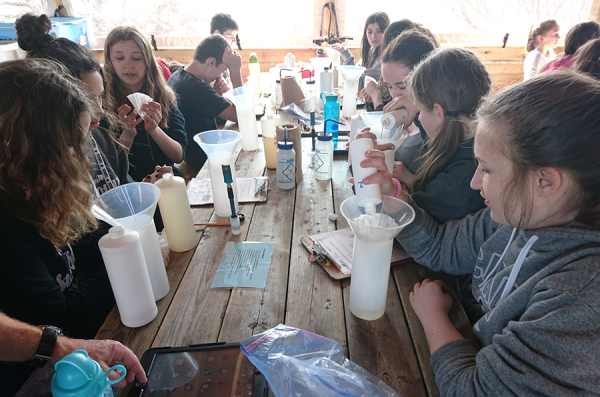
[534,252]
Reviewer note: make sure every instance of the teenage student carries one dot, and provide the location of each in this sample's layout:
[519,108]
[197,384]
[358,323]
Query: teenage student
[375,25]
[159,137]
[19,342]
[45,203]
[109,158]
[445,89]
[533,253]
[587,59]
[540,43]
[577,36]
[198,101]
[227,27]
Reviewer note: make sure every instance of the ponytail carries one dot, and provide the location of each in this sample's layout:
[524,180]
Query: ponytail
[539,30]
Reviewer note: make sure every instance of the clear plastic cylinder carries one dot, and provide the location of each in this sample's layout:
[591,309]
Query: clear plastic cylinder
[323,163]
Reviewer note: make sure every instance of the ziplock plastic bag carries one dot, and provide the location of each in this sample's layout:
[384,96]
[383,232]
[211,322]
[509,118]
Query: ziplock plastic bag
[301,109]
[299,363]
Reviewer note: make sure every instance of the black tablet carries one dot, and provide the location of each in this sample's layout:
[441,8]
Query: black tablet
[212,369]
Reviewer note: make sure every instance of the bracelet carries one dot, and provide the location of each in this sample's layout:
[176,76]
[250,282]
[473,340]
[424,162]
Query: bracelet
[398,187]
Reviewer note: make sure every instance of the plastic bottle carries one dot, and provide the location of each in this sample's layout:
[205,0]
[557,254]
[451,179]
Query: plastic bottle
[394,119]
[331,110]
[335,77]
[278,96]
[78,375]
[267,124]
[253,65]
[310,89]
[286,165]
[326,81]
[128,274]
[368,196]
[323,157]
[290,60]
[176,213]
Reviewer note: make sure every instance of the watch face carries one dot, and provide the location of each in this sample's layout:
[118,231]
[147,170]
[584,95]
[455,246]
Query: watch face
[55,329]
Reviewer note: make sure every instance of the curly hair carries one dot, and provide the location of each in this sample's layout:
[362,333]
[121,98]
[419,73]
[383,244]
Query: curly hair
[154,82]
[44,168]
[32,33]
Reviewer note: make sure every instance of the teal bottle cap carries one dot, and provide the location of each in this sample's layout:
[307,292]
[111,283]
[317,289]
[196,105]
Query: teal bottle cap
[331,98]
[77,375]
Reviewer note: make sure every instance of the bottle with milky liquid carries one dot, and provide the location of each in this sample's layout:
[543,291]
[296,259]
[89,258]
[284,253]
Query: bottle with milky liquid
[267,124]
[176,213]
[394,119]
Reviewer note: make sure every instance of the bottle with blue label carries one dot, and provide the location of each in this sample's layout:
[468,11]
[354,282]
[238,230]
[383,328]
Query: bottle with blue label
[77,375]
[331,110]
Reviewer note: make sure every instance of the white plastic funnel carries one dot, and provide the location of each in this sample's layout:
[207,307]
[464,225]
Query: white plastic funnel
[219,146]
[373,121]
[319,65]
[351,75]
[243,98]
[132,206]
[373,253]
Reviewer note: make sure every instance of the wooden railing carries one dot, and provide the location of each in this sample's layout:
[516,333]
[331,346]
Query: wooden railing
[505,65]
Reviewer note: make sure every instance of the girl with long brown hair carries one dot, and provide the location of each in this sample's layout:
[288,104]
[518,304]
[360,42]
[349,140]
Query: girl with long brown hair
[542,38]
[45,197]
[159,137]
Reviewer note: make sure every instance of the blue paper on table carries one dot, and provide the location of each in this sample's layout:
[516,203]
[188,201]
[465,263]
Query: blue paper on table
[300,363]
[244,264]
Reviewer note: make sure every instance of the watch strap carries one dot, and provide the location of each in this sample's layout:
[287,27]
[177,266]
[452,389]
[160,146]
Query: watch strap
[46,346]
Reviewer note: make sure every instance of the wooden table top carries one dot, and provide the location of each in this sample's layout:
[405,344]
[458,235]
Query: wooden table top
[298,293]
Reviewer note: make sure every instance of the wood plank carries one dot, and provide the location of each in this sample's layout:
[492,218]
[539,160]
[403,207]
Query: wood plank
[252,311]
[406,276]
[187,323]
[384,346]
[314,300]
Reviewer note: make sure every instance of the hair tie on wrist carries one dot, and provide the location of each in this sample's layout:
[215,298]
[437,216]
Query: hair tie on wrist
[451,113]
[398,187]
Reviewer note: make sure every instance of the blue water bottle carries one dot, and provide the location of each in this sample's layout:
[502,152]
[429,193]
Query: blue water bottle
[77,375]
[331,110]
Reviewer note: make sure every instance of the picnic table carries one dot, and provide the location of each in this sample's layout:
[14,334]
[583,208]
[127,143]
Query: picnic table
[298,293]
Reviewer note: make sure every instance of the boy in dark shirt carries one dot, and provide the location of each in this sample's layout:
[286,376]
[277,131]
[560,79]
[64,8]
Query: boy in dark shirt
[198,101]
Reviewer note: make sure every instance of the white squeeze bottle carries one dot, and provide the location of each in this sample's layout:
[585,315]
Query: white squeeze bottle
[123,257]
[323,157]
[176,213]
[290,60]
[368,196]
[286,165]
[394,119]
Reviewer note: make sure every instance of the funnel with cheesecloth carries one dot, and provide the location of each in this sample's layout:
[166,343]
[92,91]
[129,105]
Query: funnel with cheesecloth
[372,254]
[219,146]
[351,75]
[132,206]
[243,98]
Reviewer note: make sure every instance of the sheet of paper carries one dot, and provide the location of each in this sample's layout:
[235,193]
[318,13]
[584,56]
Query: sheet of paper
[200,191]
[244,264]
[339,245]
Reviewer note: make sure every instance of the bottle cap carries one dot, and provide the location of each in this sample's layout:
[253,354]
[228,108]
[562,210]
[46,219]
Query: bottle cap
[310,82]
[324,137]
[331,98]
[285,145]
[78,375]
[118,240]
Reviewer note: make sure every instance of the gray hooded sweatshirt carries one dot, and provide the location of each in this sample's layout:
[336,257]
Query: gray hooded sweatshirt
[540,291]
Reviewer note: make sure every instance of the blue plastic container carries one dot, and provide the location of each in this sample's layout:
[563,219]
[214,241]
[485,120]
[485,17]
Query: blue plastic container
[73,28]
[331,110]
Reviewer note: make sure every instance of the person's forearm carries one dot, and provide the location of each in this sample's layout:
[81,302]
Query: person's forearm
[18,341]
[439,331]
[236,78]
[170,147]
[126,139]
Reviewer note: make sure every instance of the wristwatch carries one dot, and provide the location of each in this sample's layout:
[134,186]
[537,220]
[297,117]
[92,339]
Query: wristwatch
[46,347]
